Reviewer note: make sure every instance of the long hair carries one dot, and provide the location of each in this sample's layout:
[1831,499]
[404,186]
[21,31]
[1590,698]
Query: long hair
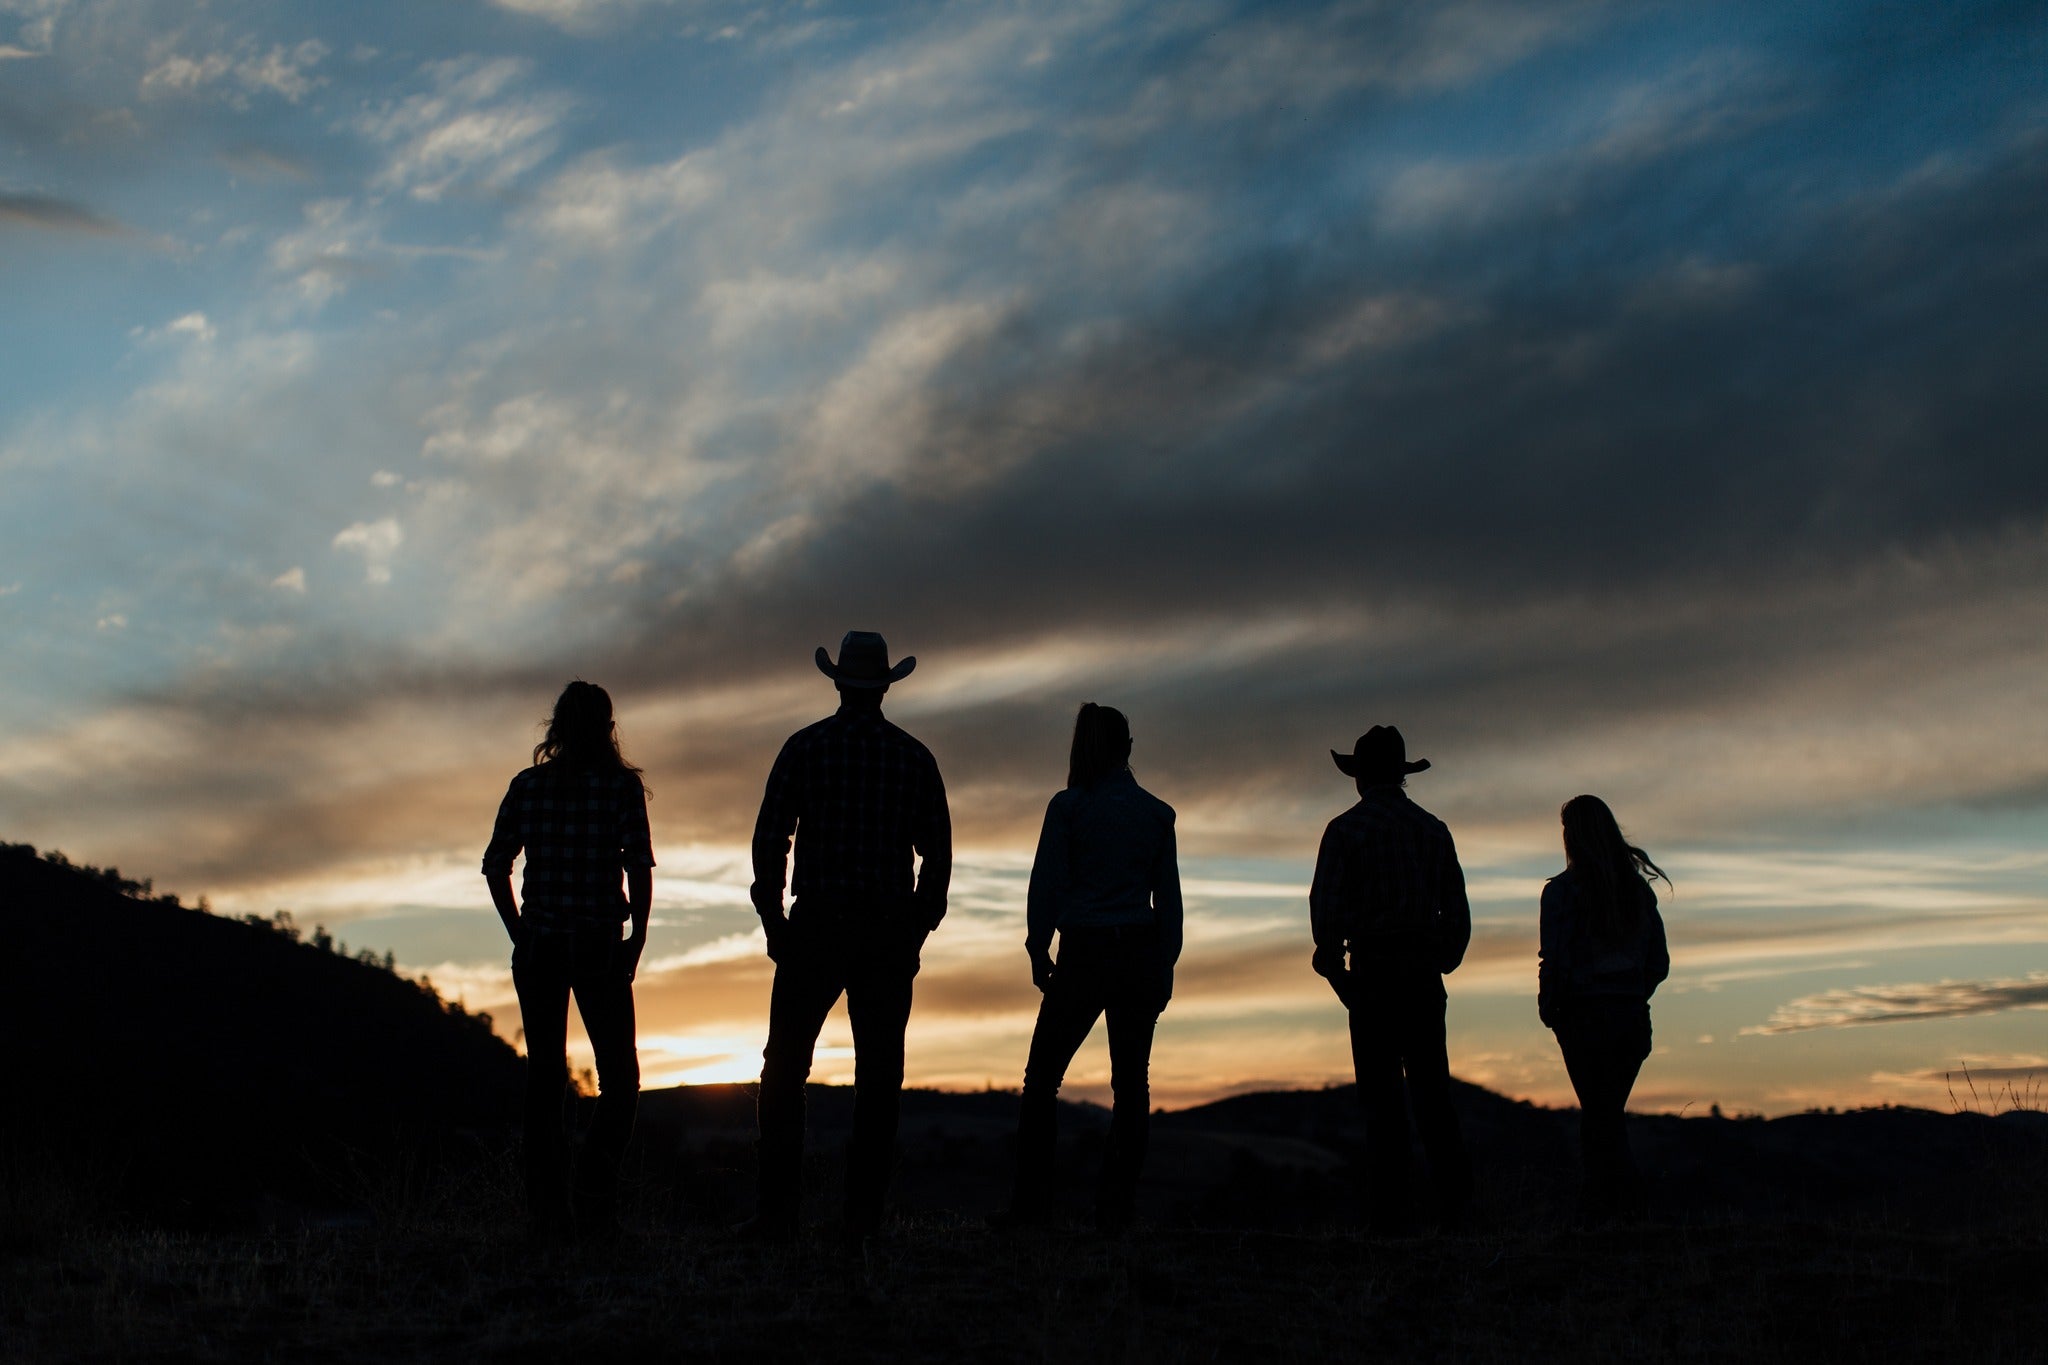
[1102,745]
[1609,868]
[581,732]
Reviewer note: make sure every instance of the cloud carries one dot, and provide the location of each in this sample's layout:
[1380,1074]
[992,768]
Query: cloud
[1920,1000]
[56,215]
[585,16]
[246,70]
[1574,389]
[377,542]
[264,163]
[469,130]
[292,580]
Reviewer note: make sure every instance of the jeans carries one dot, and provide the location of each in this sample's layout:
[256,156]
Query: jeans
[1100,971]
[870,957]
[550,965]
[1605,1040]
[1397,1033]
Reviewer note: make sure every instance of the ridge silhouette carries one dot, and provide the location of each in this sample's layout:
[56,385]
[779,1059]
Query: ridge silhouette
[201,1064]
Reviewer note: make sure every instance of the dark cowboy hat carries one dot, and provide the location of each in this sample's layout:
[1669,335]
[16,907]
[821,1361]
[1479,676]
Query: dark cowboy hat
[1380,752]
[864,661]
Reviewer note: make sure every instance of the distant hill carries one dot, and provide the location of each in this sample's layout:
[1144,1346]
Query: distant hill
[188,1063]
[1286,1160]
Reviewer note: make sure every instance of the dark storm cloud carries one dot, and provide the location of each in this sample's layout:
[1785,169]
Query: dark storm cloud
[1868,391]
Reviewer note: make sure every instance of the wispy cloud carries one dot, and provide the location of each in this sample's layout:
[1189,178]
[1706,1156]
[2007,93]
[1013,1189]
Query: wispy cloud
[1919,1000]
[472,128]
[56,215]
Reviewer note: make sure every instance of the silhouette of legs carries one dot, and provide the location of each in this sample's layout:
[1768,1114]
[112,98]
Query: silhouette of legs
[1397,1032]
[1130,1121]
[878,1007]
[550,967]
[605,1000]
[1099,971]
[1605,1040]
[873,963]
[541,975]
[1065,1017]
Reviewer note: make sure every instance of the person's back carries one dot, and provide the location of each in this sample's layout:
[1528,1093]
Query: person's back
[580,816]
[581,826]
[862,796]
[1581,957]
[1114,836]
[864,802]
[1105,879]
[1601,955]
[1388,885]
[1390,918]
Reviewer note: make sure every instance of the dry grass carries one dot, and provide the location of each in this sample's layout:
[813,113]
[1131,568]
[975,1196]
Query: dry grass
[461,1284]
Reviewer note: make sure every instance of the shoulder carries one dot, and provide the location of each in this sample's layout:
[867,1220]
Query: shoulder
[526,777]
[1063,801]
[807,737]
[1423,818]
[910,743]
[1559,889]
[1159,810]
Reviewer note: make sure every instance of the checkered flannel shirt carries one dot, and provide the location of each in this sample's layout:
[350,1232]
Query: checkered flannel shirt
[580,828]
[1388,885]
[861,797]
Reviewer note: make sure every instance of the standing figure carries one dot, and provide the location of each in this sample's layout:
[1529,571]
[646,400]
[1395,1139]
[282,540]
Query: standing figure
[1602,956]
[1107,881]
[1390,919]
[864,802]
[580,813]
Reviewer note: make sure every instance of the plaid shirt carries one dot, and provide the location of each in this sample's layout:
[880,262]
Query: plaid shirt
[861,797]
[1388,885]
[581,828]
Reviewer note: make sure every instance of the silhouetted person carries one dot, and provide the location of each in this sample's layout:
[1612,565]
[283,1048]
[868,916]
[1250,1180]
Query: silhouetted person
[580,814]
[864,800]
[1106,880]
[1602,957]
[1388,892]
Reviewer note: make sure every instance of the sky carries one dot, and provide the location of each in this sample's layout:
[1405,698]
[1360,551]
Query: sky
[1640,399]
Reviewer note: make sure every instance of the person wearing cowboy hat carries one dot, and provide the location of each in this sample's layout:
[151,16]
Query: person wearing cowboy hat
[1390,920]
[864,802]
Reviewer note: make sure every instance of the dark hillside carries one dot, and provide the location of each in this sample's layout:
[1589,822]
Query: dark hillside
[190,1066]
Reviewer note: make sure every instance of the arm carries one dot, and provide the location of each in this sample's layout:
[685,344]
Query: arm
[501,896]
[933,842]
[504,847]
[1553,934]
[773,829]
[1325,906]
[1047,893]
[1657,966]
[1166,909]
[1166,906]
[640,903]
[1454,922]
[637,848]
